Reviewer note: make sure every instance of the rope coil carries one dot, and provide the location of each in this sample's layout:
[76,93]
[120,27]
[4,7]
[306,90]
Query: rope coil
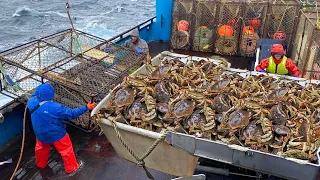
[140,161]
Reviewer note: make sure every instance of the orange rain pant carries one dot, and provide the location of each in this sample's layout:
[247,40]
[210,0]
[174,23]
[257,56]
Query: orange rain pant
[64,147]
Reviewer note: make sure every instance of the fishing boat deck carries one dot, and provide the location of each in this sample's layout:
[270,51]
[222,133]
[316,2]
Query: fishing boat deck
[100,160]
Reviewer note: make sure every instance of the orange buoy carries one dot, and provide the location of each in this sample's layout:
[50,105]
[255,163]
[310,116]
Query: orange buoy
[280,35]
[255,23]
[232,22]
[183,25]
[225,30]
[202,27]
[248,30]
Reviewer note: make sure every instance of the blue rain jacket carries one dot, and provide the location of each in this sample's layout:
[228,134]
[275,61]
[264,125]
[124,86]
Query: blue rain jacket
[47,120]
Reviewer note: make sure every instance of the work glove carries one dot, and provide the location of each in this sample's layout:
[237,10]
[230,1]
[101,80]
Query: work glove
[262,71]
[91,105]
[295,76]
[107,50]
[139,51]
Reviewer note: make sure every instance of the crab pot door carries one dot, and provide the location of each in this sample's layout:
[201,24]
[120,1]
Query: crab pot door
[316,67]
[297,42]
[312,65]
[228,30]
[205,26]
[181,24]
[252,27]
[282,21]
[301,51]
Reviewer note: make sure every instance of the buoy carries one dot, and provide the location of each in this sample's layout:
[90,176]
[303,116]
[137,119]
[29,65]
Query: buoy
[225,30]
[280,35]
[202,39]
[255,23]
[183,25]
[232,22]
[248,30]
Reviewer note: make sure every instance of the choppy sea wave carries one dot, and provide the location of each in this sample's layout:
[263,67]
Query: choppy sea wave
[23,21]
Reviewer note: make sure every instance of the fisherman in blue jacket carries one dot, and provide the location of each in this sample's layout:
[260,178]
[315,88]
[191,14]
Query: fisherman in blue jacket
[47,121]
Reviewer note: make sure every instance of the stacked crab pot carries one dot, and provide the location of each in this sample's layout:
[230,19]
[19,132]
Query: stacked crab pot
[200,98]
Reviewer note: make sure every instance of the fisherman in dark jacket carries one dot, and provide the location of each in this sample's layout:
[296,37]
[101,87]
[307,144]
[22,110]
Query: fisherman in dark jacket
[47,121]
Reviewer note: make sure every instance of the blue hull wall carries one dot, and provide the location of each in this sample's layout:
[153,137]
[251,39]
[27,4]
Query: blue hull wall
[11,126]
[161,28]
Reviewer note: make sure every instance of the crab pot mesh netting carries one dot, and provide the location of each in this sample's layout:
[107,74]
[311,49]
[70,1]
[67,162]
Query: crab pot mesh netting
[229,25]
[306,45]
[312,68]
[301,36]
[282,20]
[304,42]
[204,28]
[182,24]
[75,65]
[252,26]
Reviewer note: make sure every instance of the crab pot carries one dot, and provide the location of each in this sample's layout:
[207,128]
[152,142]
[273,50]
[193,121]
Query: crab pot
[306,45]
[73,63]
[281,21]
[228,16]
[182,24]
[205,27]
[254,16]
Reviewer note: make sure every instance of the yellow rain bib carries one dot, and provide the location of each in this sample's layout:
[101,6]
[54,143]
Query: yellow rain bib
[278,69]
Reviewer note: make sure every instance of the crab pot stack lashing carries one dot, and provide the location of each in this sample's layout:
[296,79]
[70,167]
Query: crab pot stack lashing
[73,62]
[182,23]
[306,49]
[211,101]
[205,26]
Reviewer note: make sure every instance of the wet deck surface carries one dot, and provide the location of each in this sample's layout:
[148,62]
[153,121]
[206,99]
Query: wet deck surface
[100,161]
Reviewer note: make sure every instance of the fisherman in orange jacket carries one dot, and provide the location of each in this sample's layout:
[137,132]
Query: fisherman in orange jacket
[278,63]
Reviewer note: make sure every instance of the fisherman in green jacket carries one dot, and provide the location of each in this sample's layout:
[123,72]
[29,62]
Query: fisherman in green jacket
[136,43]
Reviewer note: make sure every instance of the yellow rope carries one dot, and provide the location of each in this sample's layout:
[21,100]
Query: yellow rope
[22,145]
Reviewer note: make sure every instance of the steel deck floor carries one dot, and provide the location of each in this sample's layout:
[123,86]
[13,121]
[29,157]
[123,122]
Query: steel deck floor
[100,161]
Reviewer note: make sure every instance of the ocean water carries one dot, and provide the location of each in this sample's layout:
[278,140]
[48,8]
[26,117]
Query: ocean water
[26,20]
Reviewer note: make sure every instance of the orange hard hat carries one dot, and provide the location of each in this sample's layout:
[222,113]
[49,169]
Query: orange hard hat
[183,25]
[277,49]
[225,30]
[248,30]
